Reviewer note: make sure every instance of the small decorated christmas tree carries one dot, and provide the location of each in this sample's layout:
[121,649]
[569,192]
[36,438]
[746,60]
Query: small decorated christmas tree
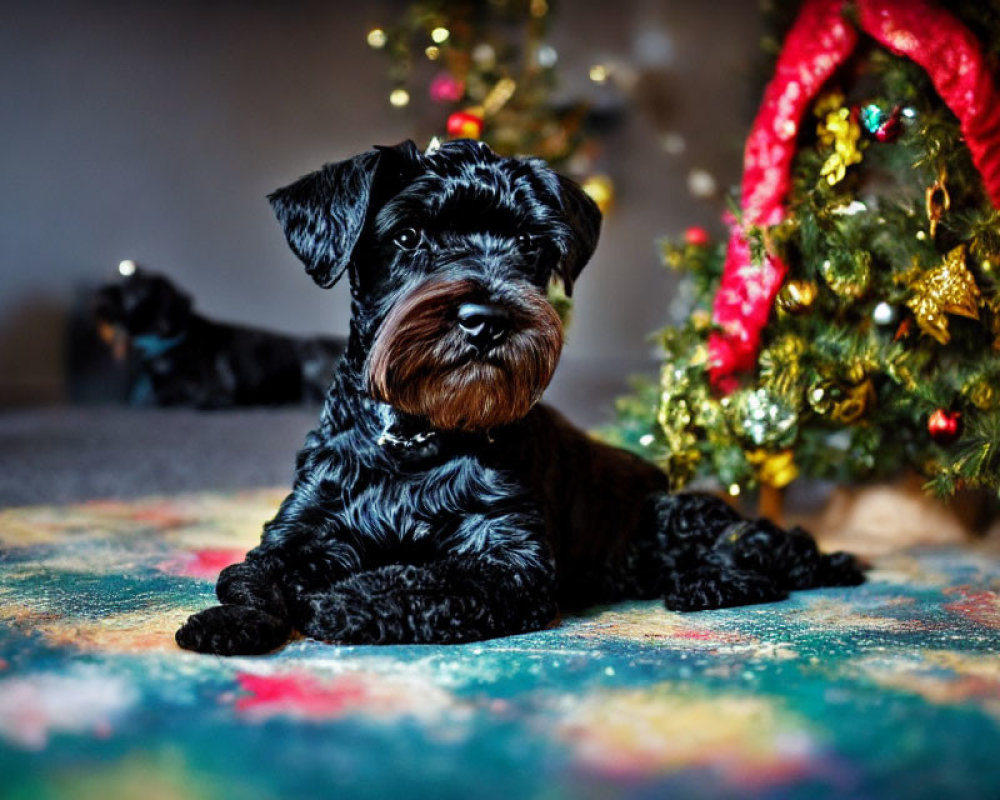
[475,70]
[850,327]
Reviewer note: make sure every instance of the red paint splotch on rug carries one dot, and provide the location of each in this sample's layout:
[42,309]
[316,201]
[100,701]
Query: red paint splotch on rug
[978,605]
[304,695]
[205,564]
[300,695]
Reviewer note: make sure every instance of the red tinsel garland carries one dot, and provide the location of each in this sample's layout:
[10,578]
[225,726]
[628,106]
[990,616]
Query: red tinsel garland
[819,42]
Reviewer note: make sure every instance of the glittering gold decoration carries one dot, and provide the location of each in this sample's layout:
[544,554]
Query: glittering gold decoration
[775,469]
[780,367]
[830,101]
[855,372]
[796,296]
[674,416]
[765,418]
[820,396]
[900,372]
[838,128]
[848,278]
[937,200]
[947,289]
[982,393]
[842,402]
[854,403]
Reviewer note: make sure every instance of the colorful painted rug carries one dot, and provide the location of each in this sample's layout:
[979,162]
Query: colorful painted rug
[890,690]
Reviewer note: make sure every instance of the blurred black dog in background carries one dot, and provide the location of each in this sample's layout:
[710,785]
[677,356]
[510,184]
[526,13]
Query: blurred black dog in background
[179,358]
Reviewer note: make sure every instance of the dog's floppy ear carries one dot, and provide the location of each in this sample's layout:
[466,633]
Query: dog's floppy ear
[323,213]
[584,217]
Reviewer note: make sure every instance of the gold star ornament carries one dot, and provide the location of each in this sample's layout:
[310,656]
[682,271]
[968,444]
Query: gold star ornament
[947,289]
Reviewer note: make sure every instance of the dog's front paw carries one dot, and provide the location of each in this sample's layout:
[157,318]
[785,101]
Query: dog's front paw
[710,587]
[232,630]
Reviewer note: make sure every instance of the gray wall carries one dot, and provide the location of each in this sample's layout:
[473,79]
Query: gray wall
[153,130]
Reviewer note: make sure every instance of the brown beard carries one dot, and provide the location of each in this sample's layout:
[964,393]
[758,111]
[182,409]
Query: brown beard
[421,363]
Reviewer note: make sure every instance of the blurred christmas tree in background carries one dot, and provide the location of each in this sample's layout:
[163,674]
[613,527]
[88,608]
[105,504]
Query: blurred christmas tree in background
[849,329]
[485,70]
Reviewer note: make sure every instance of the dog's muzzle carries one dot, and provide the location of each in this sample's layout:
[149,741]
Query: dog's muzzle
[466,357]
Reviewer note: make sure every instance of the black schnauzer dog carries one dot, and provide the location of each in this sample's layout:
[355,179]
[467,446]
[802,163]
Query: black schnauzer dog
[437,501]
[181,358]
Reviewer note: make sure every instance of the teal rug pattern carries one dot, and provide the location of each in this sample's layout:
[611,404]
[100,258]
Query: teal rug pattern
[888,690]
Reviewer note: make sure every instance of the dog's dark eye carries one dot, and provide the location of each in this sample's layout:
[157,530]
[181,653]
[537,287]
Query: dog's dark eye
[407,239]
[525,242]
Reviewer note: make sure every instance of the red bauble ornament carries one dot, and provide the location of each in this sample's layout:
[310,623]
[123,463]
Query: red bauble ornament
[891,130]
[944,426]
[696,236]
[465,125]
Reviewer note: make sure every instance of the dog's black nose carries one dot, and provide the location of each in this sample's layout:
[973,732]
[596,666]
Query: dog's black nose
[483,325]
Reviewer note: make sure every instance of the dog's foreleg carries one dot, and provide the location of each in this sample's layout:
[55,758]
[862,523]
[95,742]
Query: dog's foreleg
[713,558]
[452,600]
[253,617]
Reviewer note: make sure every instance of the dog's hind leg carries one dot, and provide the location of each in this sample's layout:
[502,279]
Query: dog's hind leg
[708,556]
[252,619]
[449,601]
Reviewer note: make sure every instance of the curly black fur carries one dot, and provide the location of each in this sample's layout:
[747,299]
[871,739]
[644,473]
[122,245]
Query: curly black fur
[180,358]
[400,531]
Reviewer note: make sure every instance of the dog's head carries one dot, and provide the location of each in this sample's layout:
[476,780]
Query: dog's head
[143,310]
[450,255]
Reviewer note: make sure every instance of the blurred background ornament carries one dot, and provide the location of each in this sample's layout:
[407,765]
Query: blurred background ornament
[466,124]
[696,236]
[446,88]
[601,190]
